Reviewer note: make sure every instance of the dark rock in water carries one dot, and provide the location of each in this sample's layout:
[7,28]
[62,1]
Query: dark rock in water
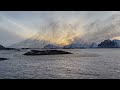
[12,49]
[25,48]
[108,44]
[46,52]
[1,59]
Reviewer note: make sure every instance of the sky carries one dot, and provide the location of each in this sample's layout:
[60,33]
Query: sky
[60,27]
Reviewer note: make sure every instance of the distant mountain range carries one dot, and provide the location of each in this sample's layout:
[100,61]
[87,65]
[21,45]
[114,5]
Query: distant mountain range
[108,44]
[32,42]
[76,46]
[50,46]
[104,44]
[117,41]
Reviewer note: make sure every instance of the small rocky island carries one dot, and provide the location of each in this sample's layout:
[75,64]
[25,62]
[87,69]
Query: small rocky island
[47,52]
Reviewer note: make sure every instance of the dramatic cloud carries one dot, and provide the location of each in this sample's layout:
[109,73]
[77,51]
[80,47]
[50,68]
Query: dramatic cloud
[60,27]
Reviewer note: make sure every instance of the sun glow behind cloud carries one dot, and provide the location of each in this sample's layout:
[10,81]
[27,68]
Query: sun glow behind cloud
[62,33]
[118,38]
[59,32]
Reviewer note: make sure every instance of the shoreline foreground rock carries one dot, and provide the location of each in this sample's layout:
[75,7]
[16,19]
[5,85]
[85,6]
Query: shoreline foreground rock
[46,52]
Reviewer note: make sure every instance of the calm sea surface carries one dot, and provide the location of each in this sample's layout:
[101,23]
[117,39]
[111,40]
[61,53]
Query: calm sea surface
[82,64]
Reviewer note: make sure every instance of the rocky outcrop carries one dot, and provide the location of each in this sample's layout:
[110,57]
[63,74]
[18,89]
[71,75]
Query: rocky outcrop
[46,52]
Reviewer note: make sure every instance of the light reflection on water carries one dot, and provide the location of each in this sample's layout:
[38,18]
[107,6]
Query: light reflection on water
[82,64]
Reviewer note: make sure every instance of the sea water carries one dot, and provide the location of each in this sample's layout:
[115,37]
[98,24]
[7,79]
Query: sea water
[82,64]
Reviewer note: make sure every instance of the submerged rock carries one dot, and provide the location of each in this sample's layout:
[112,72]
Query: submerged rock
[46,52]
[1,59]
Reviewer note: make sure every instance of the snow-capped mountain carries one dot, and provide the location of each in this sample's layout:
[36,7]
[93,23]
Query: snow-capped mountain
[108,44]
[117,41]
[1,47]
[50,46]
[32,42]
[93,45]
[75,46]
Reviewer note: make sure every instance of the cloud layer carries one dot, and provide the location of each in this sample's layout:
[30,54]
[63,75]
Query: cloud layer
[60,27]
